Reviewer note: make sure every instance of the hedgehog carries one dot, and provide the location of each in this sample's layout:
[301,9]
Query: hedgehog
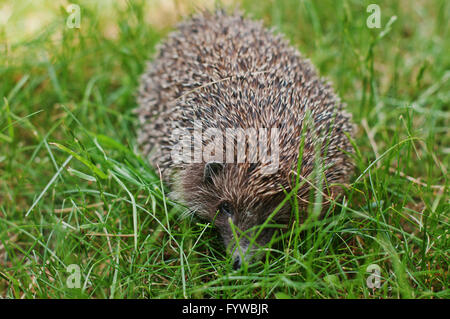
[229,76]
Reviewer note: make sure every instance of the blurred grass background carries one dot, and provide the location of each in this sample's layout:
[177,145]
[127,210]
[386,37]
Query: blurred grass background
[67,96]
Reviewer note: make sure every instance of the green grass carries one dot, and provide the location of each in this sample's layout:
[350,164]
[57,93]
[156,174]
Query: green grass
[67,97]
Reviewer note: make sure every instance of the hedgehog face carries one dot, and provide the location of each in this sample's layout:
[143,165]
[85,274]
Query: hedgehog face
[222,194]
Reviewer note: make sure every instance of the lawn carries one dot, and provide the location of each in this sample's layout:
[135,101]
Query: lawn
[83,215]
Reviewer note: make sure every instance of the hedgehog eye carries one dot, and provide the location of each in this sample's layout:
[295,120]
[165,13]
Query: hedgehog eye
[225,208]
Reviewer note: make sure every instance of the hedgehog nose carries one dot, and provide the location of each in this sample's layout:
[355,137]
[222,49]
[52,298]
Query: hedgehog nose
[237,263]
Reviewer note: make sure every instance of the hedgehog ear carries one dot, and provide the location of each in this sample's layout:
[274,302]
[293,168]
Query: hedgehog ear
[211,169]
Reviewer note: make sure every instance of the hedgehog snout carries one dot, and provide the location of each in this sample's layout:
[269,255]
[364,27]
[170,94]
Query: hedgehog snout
[240,252]
[244,248]
[237,262]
